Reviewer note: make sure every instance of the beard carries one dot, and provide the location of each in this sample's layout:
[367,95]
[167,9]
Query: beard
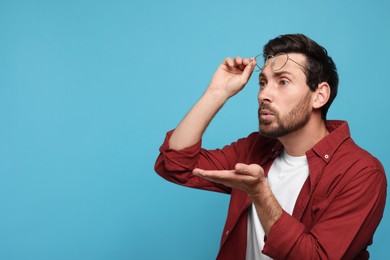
[281,126]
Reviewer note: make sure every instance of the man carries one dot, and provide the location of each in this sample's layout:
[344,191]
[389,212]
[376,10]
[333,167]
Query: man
[300,187]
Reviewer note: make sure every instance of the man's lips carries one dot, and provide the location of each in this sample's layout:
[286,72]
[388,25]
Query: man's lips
[266,114]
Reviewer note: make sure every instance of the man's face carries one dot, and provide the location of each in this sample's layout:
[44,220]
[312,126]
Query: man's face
[285,99]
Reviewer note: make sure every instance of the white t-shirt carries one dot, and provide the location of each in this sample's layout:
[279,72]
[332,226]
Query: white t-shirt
[285,178]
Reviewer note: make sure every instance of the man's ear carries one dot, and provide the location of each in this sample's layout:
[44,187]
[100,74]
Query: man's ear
[321,95]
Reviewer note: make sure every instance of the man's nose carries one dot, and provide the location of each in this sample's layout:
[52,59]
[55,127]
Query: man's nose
[267,93]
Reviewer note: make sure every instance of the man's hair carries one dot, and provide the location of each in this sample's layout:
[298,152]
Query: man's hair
[320,67]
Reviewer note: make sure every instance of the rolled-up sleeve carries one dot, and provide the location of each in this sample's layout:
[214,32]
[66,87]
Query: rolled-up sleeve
[176,165]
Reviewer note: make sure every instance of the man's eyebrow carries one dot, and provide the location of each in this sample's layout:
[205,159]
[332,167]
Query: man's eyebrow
[262,75]
[277,74]
[280,73]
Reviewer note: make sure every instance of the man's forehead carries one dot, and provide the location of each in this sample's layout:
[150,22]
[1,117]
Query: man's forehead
[298,57]
[288,67]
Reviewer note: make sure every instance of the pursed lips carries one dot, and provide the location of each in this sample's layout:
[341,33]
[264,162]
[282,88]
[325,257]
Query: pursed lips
[265,113]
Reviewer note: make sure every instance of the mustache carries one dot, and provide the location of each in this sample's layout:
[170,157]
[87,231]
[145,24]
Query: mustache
[265,106]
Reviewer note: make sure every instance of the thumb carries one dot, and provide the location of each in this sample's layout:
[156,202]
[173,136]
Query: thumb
[246,74]
[254,170]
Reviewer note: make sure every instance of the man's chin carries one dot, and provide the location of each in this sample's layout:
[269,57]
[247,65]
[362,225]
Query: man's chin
[266,130]
[266,134]
[270,131]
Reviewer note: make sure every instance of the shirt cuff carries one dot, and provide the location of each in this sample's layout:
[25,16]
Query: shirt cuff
[283,236]
[179,160]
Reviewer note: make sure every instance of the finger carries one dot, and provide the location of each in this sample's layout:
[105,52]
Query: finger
[245,61]
[229,62]
[197,172]
[222,177]
[217,174]
[244,169]
[238,60]
[206,173]
[239,63]
[200,172]
[225,177]
[254,170]
[246,74]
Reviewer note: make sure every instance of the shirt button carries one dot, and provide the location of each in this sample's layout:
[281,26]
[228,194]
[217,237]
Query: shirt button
[227,232]
[326,156]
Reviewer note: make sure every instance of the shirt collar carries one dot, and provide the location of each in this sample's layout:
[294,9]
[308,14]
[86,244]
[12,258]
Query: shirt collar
[338,133]
[327,146]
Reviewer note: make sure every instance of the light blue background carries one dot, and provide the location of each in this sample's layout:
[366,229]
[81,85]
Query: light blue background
[89,88]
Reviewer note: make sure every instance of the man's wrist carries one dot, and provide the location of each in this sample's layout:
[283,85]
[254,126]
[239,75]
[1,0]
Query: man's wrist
[267,206]
[217,95]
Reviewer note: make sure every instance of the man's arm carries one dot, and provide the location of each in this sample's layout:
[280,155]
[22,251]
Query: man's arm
[230,77]
[181,151]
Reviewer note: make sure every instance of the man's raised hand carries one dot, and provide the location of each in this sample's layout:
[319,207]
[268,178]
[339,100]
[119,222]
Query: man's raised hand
[232,75]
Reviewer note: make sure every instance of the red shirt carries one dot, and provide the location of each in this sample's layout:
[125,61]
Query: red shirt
[336,213]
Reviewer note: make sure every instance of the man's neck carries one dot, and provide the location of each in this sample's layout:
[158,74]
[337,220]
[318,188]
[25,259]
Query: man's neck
[302,140]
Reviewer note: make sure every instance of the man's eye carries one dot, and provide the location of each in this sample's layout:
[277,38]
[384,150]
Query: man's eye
[283,82]
[262,84]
